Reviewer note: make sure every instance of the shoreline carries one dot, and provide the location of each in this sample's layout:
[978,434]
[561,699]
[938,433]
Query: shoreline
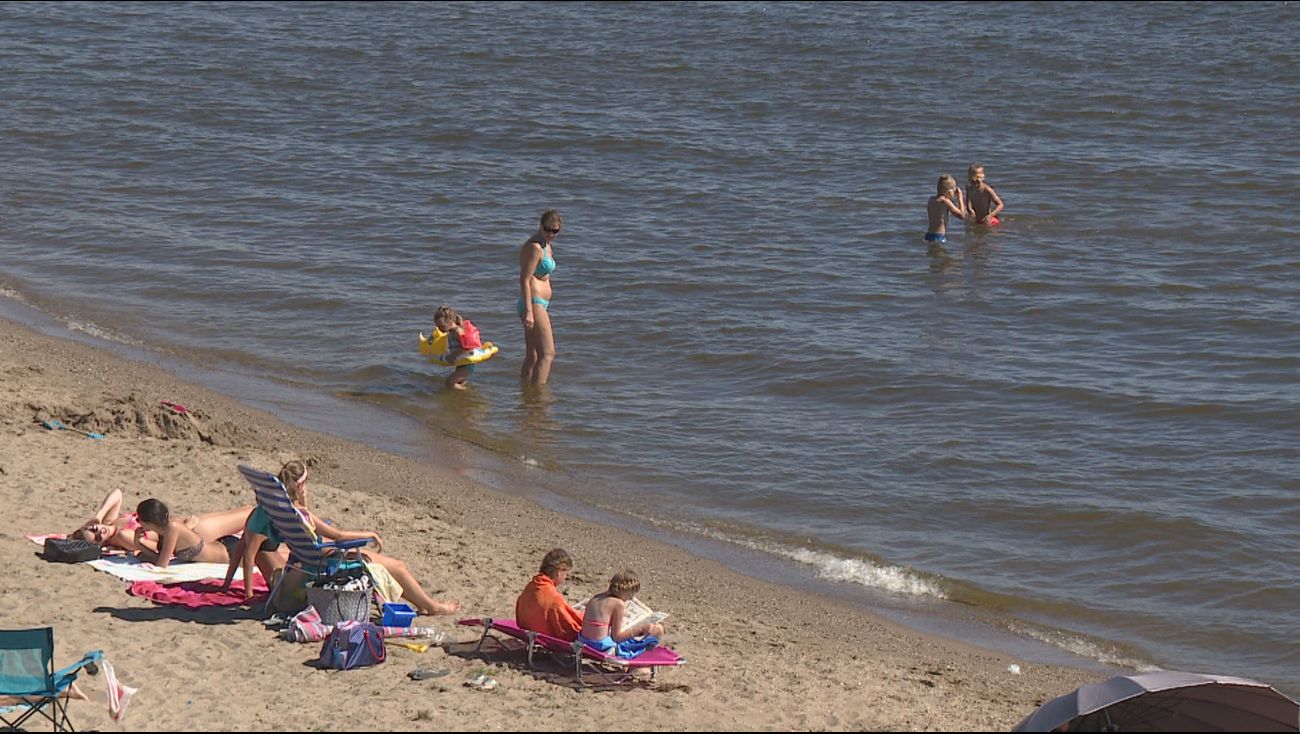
[794,660]
[398,432]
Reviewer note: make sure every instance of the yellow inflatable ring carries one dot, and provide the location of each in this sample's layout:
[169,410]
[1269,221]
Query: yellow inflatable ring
[434,347]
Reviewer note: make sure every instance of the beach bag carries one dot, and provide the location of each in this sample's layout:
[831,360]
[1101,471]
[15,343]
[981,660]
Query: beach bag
[343,596]
[69,550]
[469,336]
[353,645]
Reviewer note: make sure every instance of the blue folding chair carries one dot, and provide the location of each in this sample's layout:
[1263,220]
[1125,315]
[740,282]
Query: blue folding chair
[27,672]
[306,552]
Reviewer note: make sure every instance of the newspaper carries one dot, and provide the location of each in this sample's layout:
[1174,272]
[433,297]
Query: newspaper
[635,614]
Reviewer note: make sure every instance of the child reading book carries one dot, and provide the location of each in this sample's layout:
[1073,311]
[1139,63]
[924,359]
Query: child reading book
[603,620]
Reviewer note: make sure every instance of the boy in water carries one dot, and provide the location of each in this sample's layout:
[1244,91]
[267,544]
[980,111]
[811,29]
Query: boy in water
[983,202]
[947,201]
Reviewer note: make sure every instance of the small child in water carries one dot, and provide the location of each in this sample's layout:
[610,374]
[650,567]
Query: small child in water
[947,201]
[983,203]
[462,336]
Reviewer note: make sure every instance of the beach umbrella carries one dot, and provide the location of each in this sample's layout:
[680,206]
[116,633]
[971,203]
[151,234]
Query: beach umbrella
[1168,701]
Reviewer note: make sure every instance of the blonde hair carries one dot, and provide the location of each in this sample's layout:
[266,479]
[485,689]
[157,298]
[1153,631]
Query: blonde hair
[946,183]
[446,317]
[551,219]
[291,476]
[624,584]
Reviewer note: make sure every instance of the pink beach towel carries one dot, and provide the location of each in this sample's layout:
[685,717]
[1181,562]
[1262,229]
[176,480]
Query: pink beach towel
[198,594]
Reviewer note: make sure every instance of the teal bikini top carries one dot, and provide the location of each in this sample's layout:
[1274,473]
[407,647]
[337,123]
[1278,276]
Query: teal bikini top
[546,265]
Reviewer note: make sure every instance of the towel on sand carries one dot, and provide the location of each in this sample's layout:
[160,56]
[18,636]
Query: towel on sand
[198,594]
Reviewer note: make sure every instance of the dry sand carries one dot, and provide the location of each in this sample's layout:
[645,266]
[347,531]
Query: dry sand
[806,663]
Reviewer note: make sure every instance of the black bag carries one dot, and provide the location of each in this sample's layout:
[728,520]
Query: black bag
[68,550]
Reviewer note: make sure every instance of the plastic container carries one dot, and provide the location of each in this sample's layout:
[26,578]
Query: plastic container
[398,614]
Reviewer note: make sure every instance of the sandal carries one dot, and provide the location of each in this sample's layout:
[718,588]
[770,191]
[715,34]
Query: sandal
[423,673]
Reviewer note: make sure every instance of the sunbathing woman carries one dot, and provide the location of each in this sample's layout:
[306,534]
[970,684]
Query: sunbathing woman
[110,527]
[294,478]
[177,541]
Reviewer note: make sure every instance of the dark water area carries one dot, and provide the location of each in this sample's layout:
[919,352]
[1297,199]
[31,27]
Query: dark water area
[1084,423]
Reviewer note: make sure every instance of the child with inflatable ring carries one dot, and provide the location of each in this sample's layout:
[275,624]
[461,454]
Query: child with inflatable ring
[462,336]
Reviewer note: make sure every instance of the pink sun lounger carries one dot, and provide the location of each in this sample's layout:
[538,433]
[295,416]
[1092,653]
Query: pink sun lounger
[653,659]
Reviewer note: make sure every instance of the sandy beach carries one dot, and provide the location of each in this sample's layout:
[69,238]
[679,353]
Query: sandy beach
[804,663]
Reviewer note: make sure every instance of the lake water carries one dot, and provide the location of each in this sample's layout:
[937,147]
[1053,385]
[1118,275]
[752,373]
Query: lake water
[1085,424]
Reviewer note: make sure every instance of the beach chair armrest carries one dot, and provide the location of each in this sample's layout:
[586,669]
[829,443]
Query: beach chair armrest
[347,544]
[64,678]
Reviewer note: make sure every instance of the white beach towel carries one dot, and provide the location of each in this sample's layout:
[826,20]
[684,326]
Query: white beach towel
[131,568]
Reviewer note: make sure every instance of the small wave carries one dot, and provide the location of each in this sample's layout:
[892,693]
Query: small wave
[1087,648]
[13,295]
[830,567]
[895,579]
[99,332]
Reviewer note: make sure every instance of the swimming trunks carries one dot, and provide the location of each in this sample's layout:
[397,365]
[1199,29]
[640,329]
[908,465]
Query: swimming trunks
[990,221]
[546,265]
[521,309]
[625,649]
[934,237]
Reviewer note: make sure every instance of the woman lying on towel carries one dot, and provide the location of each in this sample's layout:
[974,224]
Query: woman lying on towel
[110,527]
[294,477]
[177,541]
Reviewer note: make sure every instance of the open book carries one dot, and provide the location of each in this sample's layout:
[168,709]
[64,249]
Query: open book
[635,615]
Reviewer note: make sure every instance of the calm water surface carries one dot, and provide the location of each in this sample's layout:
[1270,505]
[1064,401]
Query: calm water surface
[1085,424]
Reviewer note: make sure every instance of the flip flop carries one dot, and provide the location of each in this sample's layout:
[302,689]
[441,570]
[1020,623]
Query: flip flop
[423,673]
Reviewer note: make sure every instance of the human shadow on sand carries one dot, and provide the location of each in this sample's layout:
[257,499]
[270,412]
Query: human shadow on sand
[205,615]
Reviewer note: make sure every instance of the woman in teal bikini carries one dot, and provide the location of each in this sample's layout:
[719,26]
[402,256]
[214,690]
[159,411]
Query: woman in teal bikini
[536,263]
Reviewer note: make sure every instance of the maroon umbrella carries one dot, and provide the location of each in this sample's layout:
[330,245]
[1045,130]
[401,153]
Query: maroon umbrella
[1168,701]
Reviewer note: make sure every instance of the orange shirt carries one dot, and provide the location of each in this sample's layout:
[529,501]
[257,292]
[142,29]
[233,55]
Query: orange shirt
[542,608]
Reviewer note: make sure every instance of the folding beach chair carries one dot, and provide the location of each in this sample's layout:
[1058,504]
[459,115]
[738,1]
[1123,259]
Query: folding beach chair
[610,668]
[306,553]
[27,672]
